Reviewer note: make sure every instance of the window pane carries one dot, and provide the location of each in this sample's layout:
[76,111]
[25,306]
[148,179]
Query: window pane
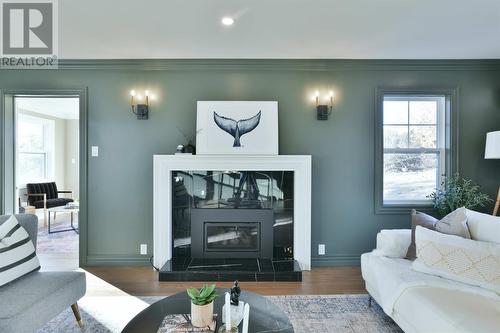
[423,112]
[395,136]
[409,176]
[395,112]
[423,137]
[30,136]
[31,168]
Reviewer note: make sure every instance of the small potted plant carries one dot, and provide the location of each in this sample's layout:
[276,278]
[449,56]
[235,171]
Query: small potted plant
[202,305]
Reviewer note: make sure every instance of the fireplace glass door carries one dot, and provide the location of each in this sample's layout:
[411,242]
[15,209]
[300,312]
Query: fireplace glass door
[231,236]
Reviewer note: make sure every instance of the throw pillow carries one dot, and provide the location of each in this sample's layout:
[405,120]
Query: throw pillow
[483,227]
[17,252]
[455,223]
[459,259]
[392,243]
[418,219]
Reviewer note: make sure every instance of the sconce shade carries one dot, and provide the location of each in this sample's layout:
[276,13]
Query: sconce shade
[492,150]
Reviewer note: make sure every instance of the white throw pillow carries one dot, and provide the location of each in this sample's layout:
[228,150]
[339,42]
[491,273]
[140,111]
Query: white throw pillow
[392,243]
[483,227]
[459,259]
[17,252]
[455,223]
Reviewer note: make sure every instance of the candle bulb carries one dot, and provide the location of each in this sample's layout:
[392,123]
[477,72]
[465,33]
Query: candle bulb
[228,312]
[132,94]
[317,98]
[246,315]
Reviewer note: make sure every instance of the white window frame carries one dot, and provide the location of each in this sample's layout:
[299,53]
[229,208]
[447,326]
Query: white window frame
[440,142]
[48,146]
[447,151]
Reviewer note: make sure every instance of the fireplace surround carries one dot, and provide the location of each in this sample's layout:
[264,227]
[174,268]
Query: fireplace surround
[187,185]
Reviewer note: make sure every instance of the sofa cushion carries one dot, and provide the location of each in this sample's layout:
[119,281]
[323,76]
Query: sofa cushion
[483,227]
[458,259]
[37,298]
[419,219]
[430,309]
[17,252]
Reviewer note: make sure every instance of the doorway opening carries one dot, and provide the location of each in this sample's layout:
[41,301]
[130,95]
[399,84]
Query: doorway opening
[46,163]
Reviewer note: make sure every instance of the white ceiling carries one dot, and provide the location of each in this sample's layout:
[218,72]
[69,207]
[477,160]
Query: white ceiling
[349,29]
[62,107]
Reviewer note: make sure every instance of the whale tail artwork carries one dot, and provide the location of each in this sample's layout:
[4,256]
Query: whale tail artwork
[237,128]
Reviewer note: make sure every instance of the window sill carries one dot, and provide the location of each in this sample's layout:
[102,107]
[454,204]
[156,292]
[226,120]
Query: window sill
[402,209]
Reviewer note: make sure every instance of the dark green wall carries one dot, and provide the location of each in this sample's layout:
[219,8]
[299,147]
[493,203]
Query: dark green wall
[120,179]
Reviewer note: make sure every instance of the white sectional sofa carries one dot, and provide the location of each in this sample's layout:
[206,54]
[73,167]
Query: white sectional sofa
[420,302]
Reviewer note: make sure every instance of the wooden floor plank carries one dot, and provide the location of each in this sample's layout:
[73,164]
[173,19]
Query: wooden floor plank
[143,281]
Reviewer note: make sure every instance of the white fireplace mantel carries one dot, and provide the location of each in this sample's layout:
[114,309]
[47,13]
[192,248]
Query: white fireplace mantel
[162,195]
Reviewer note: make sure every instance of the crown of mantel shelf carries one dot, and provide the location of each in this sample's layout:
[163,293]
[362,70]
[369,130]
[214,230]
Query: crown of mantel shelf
[243,162]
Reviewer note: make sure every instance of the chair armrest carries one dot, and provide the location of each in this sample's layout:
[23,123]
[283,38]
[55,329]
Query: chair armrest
[37,195]
[393,243]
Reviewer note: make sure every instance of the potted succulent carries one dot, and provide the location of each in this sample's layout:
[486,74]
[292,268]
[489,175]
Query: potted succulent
[458,192]
[202,305]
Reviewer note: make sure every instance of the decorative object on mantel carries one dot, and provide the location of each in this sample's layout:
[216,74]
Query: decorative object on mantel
[324,110]
[202,305]
[187,149]
[456,192]
[141,110]
[237,127]
[492,151]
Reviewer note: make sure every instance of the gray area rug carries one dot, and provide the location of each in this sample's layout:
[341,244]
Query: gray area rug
[61,242]
[308,314]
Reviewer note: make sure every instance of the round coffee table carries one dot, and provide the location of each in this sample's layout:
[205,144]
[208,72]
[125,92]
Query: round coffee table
[264,315]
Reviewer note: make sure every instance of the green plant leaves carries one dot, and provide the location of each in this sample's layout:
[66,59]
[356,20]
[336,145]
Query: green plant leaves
[202,296]
[457,192]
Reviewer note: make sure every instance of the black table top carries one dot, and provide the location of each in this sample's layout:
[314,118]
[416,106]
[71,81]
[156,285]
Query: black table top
[264,315]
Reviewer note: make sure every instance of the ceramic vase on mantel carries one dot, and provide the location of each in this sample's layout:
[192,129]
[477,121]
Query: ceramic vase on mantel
[202,315]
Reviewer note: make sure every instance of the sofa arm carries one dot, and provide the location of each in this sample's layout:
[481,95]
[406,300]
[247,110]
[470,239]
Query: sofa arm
[393,243]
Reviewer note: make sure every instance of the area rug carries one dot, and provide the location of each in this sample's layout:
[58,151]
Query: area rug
[308,314]
[61,242]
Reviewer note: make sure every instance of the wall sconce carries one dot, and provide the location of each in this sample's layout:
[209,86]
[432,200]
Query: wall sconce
[141,110]
[324,110]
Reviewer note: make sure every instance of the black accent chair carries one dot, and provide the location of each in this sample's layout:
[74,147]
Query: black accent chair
[46,195]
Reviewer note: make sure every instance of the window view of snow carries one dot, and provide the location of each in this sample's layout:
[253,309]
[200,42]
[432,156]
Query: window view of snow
[413,136]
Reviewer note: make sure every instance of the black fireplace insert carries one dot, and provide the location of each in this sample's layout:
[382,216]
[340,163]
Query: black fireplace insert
[232,233]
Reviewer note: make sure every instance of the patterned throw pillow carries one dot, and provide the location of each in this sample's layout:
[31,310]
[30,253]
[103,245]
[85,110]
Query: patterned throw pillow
[17,252]
[459,259]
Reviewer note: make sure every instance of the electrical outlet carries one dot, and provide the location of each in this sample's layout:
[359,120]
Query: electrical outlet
[321,249]
[144,249]
[95,151]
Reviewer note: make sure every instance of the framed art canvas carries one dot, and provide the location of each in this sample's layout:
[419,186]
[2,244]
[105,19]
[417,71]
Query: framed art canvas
[237,127]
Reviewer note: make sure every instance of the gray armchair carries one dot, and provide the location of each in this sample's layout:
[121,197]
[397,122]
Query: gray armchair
[30,302]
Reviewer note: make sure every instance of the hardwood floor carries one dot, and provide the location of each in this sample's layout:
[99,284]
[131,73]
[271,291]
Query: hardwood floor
[143,281]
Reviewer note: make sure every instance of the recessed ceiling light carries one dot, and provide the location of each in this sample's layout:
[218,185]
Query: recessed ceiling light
[227,21]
